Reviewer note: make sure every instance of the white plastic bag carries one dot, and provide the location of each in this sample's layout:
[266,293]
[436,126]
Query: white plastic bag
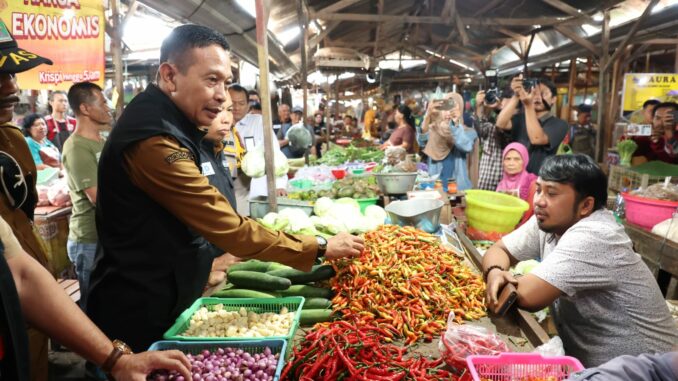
[553,347]
[667,228]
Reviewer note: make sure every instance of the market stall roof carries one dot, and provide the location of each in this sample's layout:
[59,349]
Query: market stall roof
[460,37]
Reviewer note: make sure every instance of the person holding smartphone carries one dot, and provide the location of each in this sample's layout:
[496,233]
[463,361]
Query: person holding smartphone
[536,127]
[662,144]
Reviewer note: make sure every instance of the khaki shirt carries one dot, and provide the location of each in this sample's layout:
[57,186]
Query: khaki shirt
[165,170]
[13,142]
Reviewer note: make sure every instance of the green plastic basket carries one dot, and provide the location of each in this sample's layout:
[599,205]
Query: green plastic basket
[293,304]
[365,202]
[252,347]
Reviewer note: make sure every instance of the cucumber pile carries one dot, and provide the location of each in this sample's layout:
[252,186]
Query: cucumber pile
[257,279]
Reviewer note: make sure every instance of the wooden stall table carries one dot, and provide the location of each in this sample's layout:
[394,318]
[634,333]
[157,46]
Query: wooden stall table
[51,223]
[660,255]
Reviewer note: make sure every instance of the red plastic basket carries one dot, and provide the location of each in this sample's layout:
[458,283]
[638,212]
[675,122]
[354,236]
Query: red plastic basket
[522,367]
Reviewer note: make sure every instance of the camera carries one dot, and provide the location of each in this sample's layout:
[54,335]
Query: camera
[529,83]
[493,93]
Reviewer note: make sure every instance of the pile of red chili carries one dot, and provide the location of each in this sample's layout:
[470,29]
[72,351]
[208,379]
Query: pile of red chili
[348,351]
[406,280]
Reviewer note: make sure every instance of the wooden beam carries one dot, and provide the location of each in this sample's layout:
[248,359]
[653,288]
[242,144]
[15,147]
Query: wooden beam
[661,41]
[572,35]
[449,6]
[491,41]
[631,34]
[527,52]
[567,110]
[116,50]
[570,10]
[493,22]
[380,10]
[131,10]
[318,38]
[602,78]
[514,50]
[461,28]
[512,34]
[356,44]
[262,7]
[487,7]
[337,6]
[360,17]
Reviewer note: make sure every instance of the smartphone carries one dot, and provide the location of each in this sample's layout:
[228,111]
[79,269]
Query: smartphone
[507,297]
[675,116]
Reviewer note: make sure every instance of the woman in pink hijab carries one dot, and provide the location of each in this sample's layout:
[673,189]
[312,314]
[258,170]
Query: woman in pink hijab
[516,180]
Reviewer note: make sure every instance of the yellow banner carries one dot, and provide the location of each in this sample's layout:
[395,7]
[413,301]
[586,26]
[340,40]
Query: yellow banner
[640,87]
[69,32]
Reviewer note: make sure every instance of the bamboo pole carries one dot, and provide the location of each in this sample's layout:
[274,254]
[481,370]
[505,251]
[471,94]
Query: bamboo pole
[262,7]
[602,81]
[567,111]
[116,50]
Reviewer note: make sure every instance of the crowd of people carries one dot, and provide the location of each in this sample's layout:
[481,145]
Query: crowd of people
[174,157]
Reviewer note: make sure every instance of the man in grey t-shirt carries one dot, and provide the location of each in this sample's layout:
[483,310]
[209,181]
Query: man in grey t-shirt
[603,298]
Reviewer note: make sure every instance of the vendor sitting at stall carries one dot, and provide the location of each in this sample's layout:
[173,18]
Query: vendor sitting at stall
[516,180]
[603,298]
[35,130]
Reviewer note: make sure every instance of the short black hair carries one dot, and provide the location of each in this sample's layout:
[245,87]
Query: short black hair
[53,93]
[83,92]
[651,102]
[584,108]
[28,122]
[186,37]
[253,92]
[238,89]
[548,83]
[672,105]
[581,172]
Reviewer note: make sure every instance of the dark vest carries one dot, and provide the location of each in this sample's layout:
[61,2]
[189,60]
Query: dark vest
[220,177]
[148,269]
[15,363]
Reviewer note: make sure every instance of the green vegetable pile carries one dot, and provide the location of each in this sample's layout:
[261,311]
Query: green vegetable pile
[257,279]
[353,187]
[338,155]
[626,148]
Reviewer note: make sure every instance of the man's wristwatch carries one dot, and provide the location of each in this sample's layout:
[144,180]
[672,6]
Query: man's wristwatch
[119,349]
[322,246]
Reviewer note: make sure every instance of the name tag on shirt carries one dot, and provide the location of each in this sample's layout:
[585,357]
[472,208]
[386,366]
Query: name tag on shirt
[207,169]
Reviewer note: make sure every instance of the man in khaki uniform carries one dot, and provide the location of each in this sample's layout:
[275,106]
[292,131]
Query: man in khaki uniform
[153,198]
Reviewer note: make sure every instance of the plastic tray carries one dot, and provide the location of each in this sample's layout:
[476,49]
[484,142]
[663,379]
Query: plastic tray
[253,347]
[293,304]
[521,366]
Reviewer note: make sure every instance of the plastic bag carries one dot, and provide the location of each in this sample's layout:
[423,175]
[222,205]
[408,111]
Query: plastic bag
[58,194]
[553,347]
[667,228]
[461,341]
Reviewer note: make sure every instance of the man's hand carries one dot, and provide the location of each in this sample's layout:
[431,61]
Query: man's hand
[517,85]
[281,192]
[344,245]
[224,261]
[137,367]
[527,98]
[480,98]
[496,280]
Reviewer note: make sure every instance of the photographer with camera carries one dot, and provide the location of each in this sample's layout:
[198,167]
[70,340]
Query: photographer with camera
[492,139]
[662,144]
[535,127]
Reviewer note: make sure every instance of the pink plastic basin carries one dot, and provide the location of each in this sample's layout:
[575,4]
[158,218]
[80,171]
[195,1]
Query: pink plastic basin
[647,212]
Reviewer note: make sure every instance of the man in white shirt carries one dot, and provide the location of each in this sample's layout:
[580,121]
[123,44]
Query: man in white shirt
[250,129]
[603,298]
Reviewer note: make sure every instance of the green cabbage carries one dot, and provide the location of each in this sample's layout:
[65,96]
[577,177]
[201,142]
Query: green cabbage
[254,164]
[300,137]
[322,206]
